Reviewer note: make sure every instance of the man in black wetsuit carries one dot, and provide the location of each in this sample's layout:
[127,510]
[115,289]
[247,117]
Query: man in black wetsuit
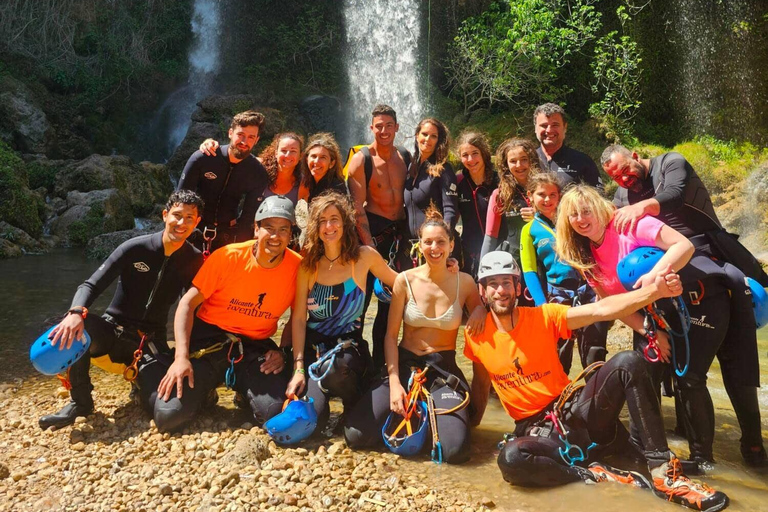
[571,166]
[667,187]
[223,180]
[152,271]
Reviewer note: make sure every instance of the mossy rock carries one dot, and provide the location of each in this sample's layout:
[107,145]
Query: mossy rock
[18,205]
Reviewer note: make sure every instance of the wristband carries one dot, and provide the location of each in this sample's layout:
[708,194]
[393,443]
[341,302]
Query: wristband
[299,370]
[79,310]
[297,359]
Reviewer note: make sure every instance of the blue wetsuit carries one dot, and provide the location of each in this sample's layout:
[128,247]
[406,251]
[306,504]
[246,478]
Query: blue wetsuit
[537,244]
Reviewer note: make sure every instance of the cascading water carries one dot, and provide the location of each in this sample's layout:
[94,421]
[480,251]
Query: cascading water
[382,61]
[204,62]
[719,81]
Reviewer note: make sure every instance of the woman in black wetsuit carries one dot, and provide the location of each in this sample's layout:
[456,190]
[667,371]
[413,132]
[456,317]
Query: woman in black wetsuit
[431,180]
[327,311]
[321,167]
[476,182]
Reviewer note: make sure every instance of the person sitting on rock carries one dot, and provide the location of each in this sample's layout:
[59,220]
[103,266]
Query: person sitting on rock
[557,422]
[241,291]
[152,272]
[223,180]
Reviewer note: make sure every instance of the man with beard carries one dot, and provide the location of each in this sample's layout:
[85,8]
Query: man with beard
[223,180]
[667,187]
[377,183]
[571,166]
[224,324]
[558,423]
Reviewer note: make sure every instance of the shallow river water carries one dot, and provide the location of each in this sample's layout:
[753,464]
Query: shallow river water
[38,287]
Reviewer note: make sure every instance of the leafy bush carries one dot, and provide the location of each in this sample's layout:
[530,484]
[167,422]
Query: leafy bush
[514,52]
[18,206]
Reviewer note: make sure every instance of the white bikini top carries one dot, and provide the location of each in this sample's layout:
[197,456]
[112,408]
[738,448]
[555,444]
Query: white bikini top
[448,321]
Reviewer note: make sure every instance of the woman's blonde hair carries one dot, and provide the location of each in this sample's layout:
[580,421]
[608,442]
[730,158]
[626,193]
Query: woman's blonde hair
[573,248]
[313,246]
[507,181]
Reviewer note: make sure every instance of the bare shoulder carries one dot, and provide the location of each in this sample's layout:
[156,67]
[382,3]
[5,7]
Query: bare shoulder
[355,164]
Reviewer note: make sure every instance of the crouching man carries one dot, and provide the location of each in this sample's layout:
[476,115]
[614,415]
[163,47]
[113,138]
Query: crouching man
[558,422]
[241,290]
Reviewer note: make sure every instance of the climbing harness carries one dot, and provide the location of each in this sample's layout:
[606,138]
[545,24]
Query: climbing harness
[418,393]
[330,356]
[654,317]
[209,234]
[651,351]
[570,453]
[415,254]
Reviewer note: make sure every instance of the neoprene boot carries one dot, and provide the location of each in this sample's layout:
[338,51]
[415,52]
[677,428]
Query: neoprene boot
[67,415]
[81,403]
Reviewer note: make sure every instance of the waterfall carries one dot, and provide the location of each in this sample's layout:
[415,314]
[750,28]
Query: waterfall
[718,82]
[383,66]
[204,61]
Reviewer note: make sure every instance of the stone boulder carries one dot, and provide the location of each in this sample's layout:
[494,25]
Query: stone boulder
[19,206]
[23,122]
[212,119]
[743,209]
[101,246]
[9,249]
[92,213]
[321,113]
[21,238]
[142,184]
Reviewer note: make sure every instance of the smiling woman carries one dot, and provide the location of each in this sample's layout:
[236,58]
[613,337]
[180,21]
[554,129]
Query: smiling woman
[321,168]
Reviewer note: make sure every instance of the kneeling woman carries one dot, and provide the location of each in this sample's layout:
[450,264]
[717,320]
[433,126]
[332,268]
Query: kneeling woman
[427,301]
[331,289]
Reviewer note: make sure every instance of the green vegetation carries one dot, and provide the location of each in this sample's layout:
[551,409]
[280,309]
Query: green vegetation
[18,206]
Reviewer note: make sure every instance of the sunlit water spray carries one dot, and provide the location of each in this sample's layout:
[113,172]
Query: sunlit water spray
[204,62]
[383,64]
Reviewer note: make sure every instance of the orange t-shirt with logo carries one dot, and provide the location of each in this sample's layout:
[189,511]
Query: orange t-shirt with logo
[523,364]
[243,297]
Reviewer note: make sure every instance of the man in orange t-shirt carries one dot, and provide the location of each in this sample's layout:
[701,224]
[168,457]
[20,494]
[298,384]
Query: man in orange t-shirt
[241,290]
[517,354]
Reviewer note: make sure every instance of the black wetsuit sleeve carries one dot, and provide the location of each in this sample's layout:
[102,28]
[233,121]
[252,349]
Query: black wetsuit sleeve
[101,279]
[191,173]
[450,196]
[676,175]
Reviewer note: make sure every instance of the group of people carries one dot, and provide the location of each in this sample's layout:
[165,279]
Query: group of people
[476,247]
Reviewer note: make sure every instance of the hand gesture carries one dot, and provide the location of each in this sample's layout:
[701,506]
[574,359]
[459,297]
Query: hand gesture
[527,213]
[174,377]
[296,385]
[626,217]
[69,330]
[397,396]
[209,147]
[273,362]
[667,282]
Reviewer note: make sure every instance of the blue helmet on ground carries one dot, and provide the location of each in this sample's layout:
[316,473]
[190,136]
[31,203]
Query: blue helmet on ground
[759,302]
[636,264]
[296,423]
[382,291]
[397,438]
[49,360]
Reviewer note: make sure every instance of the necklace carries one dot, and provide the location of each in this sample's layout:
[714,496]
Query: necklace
[332,261]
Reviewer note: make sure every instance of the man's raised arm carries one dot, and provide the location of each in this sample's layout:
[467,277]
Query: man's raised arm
[666,284]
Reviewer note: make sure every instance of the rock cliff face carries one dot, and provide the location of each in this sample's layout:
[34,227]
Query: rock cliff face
[743,209]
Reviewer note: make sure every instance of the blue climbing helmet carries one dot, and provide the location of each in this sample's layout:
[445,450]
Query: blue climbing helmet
[395,431]
[296,423]
[759,302]
[382,291]
[49,360]
[636,264]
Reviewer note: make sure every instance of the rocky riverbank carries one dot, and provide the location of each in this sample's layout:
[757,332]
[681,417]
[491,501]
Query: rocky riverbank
[117,460]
